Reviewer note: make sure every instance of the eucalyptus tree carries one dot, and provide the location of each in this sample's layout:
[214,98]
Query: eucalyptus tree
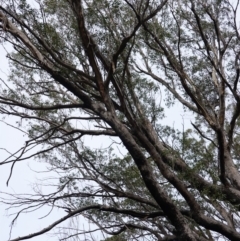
[97,68]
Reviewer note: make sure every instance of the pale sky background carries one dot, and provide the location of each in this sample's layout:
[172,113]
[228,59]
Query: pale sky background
[23,177]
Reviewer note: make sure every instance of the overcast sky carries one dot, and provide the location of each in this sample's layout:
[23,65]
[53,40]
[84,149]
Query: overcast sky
[24,176]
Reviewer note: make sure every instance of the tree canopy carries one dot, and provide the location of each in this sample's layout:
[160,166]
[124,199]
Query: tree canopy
[101,68]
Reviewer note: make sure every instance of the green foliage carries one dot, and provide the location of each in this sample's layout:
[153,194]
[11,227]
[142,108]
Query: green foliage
[112,68]
[116,238]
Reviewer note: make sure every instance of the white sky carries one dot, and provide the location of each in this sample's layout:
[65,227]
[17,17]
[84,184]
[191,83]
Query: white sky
[23,177]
